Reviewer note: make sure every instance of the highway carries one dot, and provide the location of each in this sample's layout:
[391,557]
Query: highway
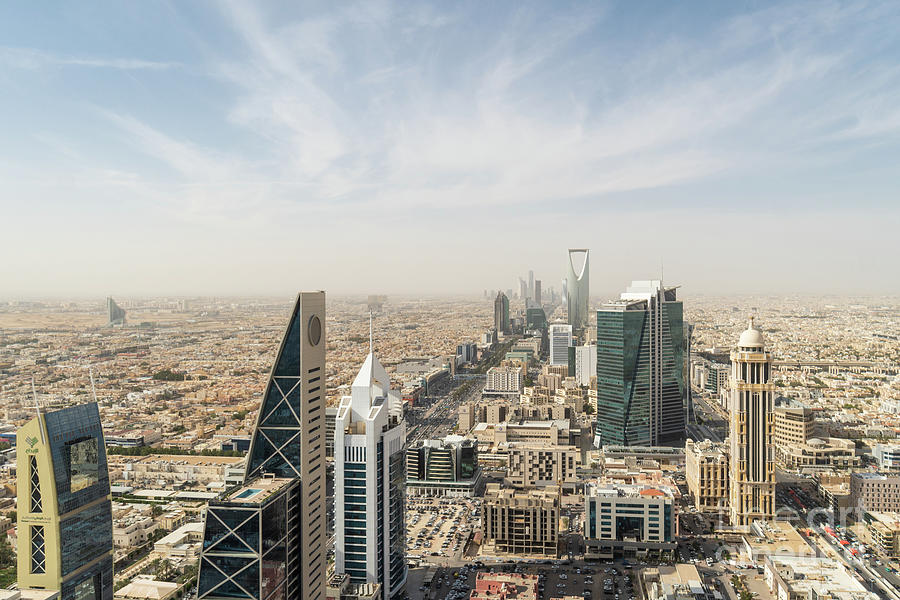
[438,416]
[874,580]
[826,545]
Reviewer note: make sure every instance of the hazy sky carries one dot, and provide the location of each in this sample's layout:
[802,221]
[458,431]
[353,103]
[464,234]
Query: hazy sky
[263,147]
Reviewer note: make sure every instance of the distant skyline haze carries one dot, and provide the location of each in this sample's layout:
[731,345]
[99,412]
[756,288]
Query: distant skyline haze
[233,148]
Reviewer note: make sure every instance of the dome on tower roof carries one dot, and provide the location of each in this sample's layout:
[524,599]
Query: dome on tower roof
[752,338]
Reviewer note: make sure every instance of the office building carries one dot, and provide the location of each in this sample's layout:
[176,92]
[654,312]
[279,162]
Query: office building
[795,424]
[370,483]
[585,363]
[887,456]
[506,379]
[817,453]
[284,483]
[640,368]
[521,522]
[577,289]
[501,313]
[688,391]
[752,427]
[537,292]
[467,352]
[560,340]
[65,532]
[523,289]
[717,378]
[706,472]
[628,520]
[530,285]
[252,546]
[875,492]
[447,467]
[531,465]
[115,314]
[554,433]
[535,318]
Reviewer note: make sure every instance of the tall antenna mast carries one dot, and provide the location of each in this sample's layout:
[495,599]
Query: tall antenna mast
[371,332]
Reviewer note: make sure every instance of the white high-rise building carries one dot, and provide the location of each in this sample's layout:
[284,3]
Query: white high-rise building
[585,364]
[752,411]
[560,339]
[578,290]
[370,483]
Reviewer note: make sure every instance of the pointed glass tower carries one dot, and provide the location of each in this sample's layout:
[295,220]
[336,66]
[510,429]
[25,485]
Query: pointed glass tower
[265,539]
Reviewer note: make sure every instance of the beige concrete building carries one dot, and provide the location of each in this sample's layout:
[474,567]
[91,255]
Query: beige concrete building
[539,466]
[800,578]
[794,424]
[883,530]
[521,522]
[183,543]
[144,587]
[505,379]
[677,582]
[541,433]
[466,420]
[164,471]
[752,456]
[875,492]
[132,530]
[629,520]
[774,538]
[706,472]
[819,452]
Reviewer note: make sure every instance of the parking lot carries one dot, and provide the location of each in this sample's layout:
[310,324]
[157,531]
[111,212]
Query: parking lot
[592,581]
[440,527]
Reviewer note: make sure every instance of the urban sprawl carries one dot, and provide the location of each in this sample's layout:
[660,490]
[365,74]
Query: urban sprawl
[528,443]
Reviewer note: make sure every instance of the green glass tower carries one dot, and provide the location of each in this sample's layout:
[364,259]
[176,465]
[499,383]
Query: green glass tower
[640,368]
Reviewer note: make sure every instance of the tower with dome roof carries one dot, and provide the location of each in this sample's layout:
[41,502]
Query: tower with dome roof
[752,416]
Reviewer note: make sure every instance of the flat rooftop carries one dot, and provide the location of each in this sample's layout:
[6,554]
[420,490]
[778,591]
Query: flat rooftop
[258,491]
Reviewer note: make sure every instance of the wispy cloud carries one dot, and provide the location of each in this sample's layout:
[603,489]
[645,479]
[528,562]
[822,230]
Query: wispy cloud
[30,58]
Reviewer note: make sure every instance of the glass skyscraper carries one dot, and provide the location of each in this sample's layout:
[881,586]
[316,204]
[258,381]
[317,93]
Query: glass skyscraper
[640,367]
[266,539]
[369,482]
[64,510]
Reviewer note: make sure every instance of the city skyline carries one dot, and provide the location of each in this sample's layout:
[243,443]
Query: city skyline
[183,149]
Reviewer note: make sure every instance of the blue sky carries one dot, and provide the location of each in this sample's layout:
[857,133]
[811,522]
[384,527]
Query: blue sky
[256,148]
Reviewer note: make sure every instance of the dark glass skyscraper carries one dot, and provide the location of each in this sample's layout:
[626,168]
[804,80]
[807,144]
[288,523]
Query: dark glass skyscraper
[64,510]
[640,367]
[501,313]
[266,539]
